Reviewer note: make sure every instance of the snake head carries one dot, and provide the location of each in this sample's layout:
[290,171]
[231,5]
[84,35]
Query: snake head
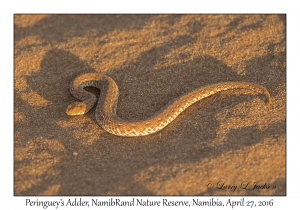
[77,108]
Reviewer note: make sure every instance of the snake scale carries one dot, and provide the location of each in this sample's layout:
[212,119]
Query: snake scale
[107,103]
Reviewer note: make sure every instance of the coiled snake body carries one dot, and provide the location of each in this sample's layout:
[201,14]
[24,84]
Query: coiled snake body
[107,104]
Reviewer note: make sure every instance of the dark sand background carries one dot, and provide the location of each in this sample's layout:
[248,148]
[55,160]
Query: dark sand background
[230,137]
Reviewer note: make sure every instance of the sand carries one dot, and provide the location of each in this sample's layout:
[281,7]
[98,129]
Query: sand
[227,144]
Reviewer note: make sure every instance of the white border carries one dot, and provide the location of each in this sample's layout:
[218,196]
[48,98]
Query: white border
[8,8]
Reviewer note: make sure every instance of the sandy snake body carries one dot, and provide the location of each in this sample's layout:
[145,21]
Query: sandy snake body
[107,104]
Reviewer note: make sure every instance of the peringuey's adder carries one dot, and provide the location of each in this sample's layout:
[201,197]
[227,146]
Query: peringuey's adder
[107,104]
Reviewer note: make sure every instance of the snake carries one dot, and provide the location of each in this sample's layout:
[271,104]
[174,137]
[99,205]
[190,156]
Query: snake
[106,106]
